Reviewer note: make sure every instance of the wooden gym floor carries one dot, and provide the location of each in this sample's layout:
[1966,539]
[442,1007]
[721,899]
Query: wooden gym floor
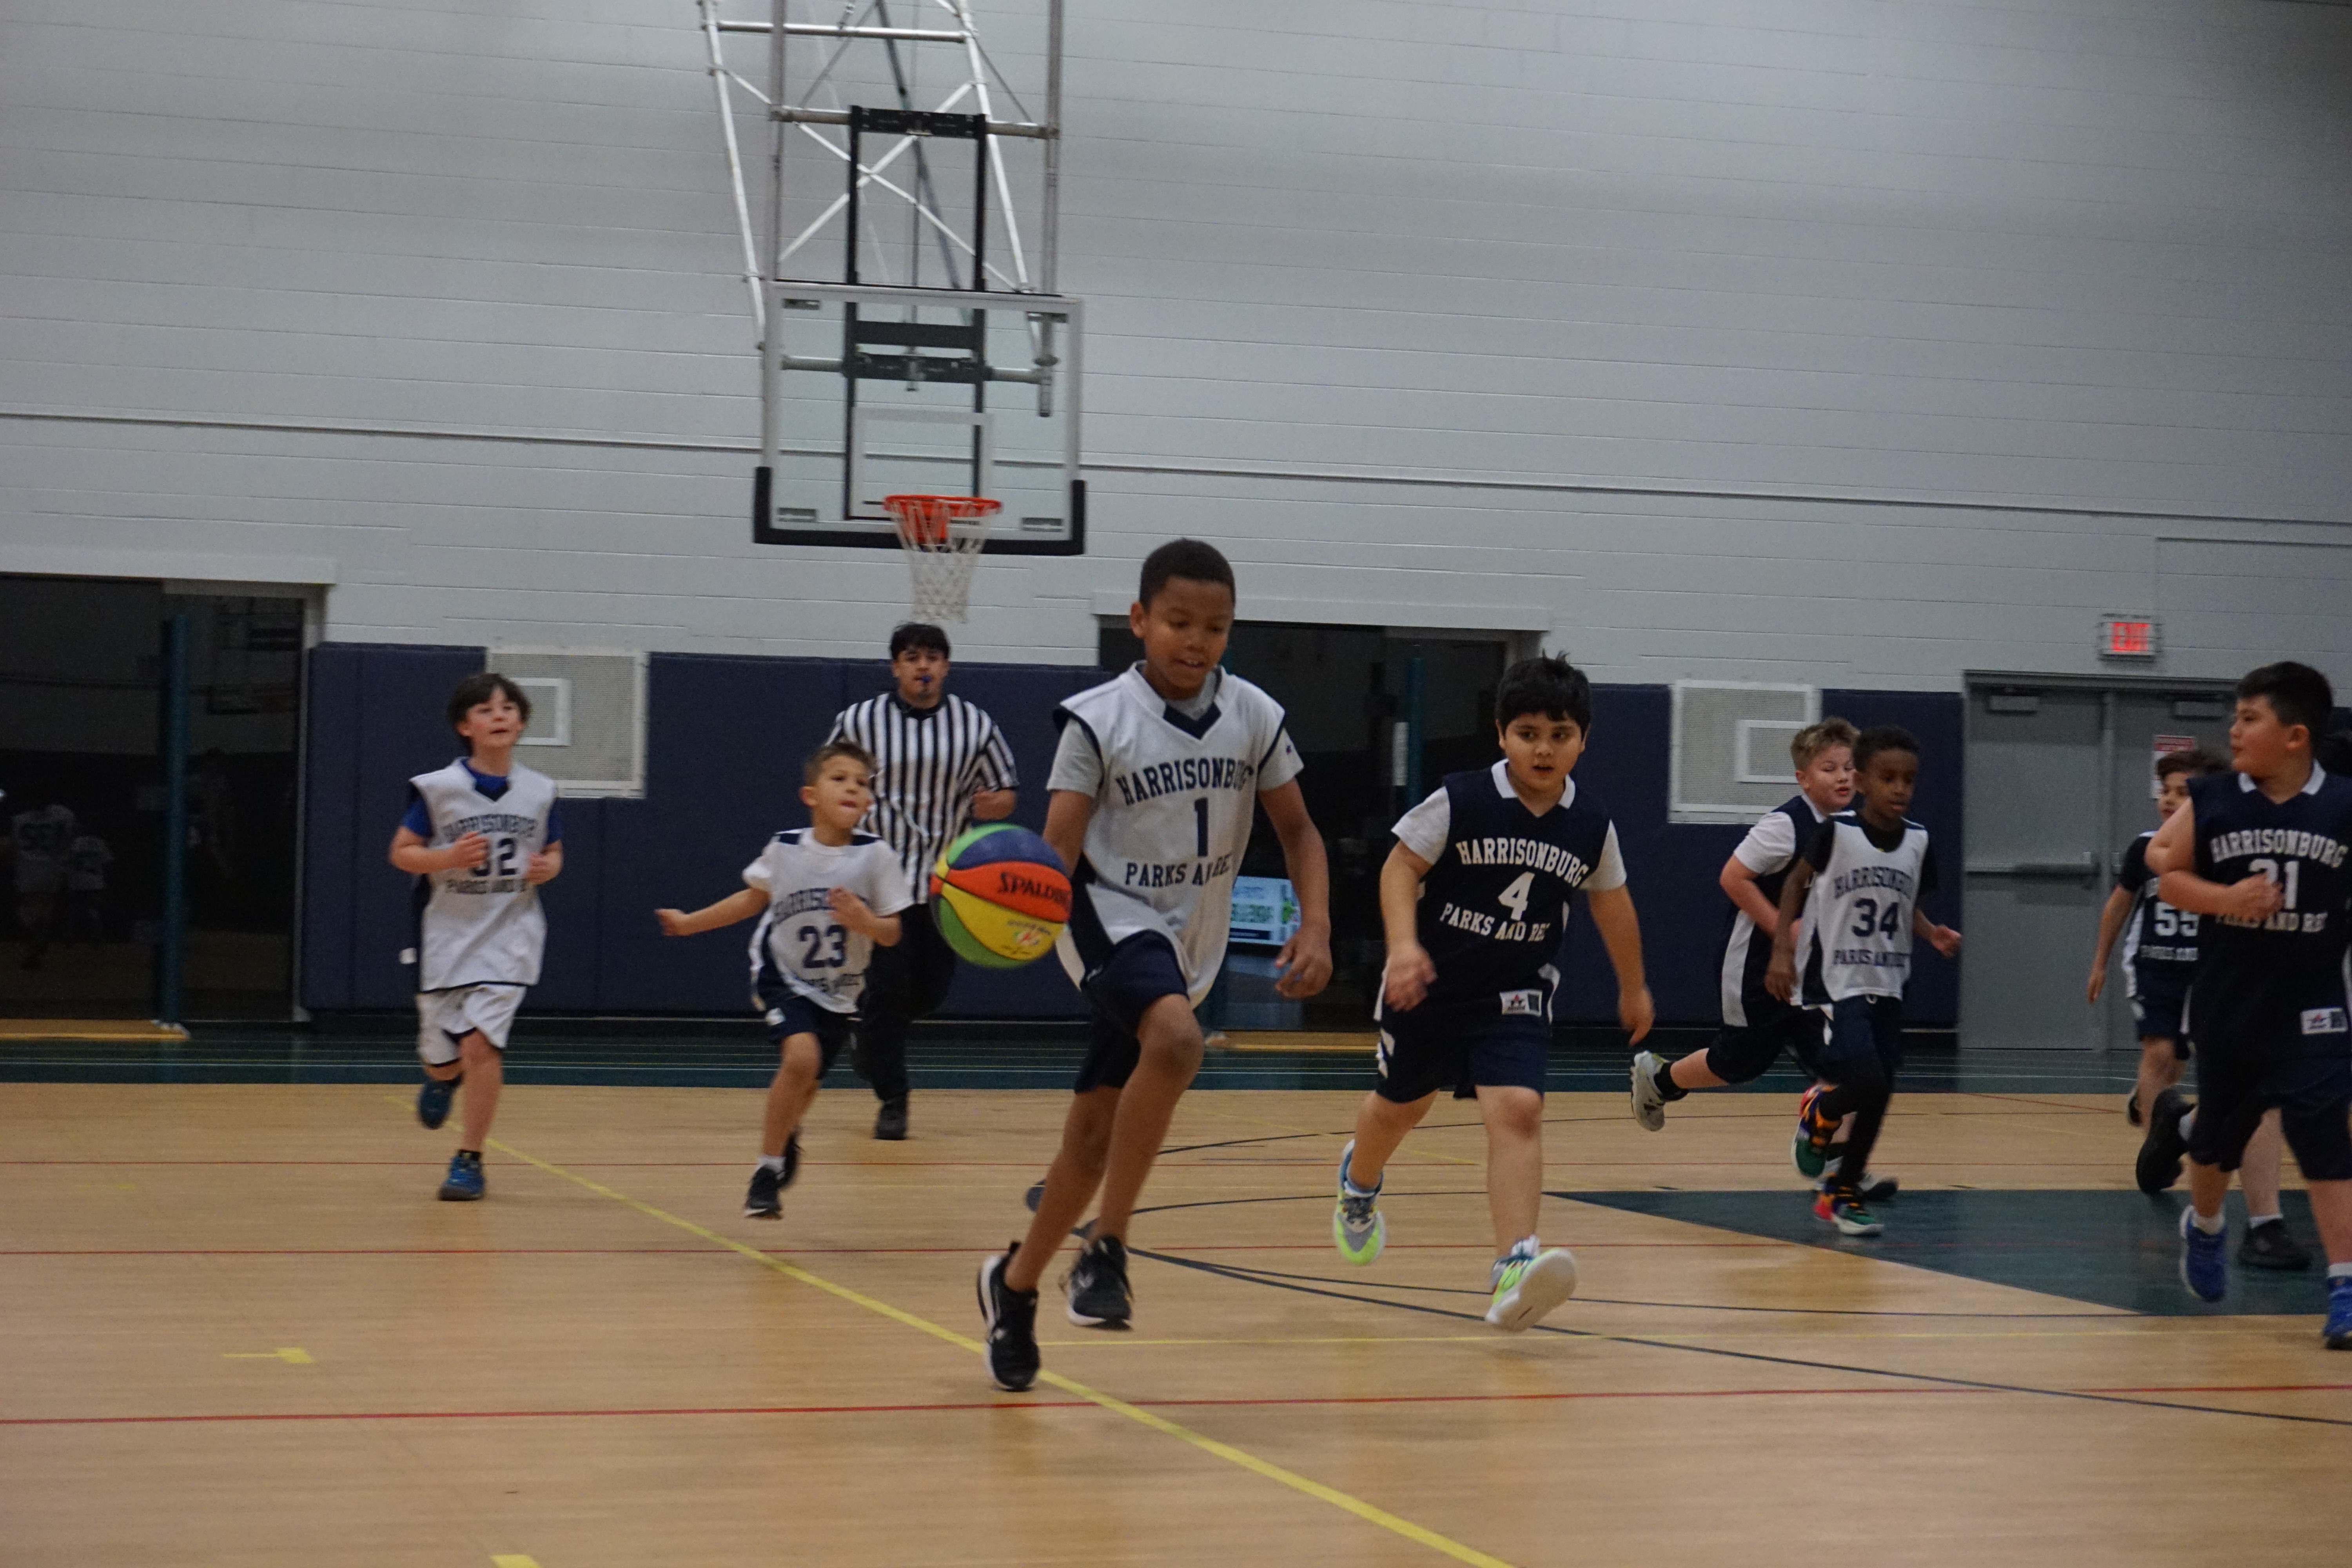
[237,1330]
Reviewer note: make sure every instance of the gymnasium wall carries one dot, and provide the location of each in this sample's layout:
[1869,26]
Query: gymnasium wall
[1854,342]
[724,750]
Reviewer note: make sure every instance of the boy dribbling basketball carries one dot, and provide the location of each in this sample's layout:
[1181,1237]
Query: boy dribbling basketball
[826,895]
[1150,800]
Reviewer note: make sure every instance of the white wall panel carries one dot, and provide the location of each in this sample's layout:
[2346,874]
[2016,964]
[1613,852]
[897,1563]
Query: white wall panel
[1844,257]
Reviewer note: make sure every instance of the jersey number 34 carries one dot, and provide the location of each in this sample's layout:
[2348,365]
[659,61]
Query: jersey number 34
[1869,918]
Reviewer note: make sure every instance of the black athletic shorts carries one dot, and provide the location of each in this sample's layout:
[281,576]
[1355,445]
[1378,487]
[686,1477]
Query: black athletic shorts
[2160,1004]
[1460,1047]
[1865,1037]
[1138,973]
[788,1013]
[2235,1084]
[1742,1053]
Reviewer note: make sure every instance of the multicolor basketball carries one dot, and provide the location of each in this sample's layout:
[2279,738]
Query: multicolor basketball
[1000,895]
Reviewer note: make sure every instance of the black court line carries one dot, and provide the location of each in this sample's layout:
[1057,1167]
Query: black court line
[1244,1277]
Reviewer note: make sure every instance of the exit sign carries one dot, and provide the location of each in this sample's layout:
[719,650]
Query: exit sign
[2124,639]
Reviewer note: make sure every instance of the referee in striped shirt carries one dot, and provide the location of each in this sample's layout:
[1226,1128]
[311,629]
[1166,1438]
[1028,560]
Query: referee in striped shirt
[939,764]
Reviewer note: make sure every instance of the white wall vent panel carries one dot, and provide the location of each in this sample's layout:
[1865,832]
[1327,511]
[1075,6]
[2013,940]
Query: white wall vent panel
[587,717]
[1730,760]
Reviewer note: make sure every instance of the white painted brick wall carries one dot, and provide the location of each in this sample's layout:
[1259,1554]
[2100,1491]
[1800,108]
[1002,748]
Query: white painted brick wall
[2082,253]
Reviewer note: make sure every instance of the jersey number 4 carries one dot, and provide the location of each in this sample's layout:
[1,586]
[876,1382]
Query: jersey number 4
[1515,897]
[1869,918]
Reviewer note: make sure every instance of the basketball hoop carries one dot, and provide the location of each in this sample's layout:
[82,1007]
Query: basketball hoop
[941,536]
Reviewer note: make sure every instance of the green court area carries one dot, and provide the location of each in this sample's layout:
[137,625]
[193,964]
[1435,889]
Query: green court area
[2105,1248]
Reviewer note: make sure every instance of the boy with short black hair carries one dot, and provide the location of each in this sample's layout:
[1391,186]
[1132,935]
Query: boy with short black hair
[1475,898]
[1857,884]
[480,837]
[1150,803]
[826,895]
[2267,852]
[1757,1025]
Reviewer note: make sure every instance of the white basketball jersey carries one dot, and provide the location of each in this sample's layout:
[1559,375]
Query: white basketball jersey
[1858,913]
[1171,817]
[800,941]
[482,924]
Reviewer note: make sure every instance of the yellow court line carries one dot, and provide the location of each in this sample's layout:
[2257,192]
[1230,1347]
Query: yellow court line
[1161,1423]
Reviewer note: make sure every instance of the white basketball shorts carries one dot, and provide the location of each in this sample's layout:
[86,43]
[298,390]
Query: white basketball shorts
[446,1017]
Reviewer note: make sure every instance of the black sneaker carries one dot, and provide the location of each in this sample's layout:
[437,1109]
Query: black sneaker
[1011,1319]
[890,1121]
[2131,1108]
[2158,1165]
[2271,1245]
[1098,1286]
[765,1200]
[792,1160]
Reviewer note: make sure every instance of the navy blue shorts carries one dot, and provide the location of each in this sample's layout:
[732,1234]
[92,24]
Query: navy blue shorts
[788,1013]
[1138,973]
[1864,1039]
[1460,1047]
[1742,1053]
[2160,1004]
[2236,1084]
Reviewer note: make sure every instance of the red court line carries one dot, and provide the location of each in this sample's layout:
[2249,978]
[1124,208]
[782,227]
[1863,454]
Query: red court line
[944,1406]
[770,1251]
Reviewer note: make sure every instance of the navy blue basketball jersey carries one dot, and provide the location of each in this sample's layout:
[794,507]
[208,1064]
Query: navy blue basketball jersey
[2276,984]
[1495,903]
[2160,941]
[1770,848]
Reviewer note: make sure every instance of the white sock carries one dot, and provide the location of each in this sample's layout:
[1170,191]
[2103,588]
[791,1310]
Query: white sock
[2188,1120]
[2213,1226]
[2339,1271]
[1526,1247]
[771,1161]
[2254,1219]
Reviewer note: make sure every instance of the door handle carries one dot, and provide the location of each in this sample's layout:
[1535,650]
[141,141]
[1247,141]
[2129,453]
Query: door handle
[2044,870]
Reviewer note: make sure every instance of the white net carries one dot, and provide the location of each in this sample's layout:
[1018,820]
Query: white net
[941,536]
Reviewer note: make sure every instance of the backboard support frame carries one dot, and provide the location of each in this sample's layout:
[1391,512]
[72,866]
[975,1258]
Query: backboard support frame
[899,349]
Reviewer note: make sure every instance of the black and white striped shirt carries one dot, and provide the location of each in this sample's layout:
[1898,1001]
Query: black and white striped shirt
[928,764]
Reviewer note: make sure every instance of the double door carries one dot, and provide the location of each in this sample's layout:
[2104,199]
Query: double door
[2060,777]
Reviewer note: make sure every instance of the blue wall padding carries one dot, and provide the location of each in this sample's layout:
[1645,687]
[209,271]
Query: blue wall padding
[374,721]
[724,747]
[1672,866]
[725,743]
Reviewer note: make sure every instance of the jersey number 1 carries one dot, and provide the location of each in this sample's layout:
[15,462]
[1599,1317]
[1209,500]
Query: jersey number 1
[1201,827]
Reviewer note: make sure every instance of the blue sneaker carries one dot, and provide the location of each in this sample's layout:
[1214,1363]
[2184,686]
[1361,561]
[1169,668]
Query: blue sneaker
[2337,1334]
[464,1183]
[2204,1259]
[433,1100]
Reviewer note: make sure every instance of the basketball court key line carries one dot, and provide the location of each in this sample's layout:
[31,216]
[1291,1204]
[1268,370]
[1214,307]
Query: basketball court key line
[1242,1458]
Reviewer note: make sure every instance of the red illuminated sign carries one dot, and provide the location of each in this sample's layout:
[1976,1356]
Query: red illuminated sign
[2126,640]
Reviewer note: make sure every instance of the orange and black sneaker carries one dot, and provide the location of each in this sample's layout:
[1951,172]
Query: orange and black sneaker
[1811,1147]
[1844,1207]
